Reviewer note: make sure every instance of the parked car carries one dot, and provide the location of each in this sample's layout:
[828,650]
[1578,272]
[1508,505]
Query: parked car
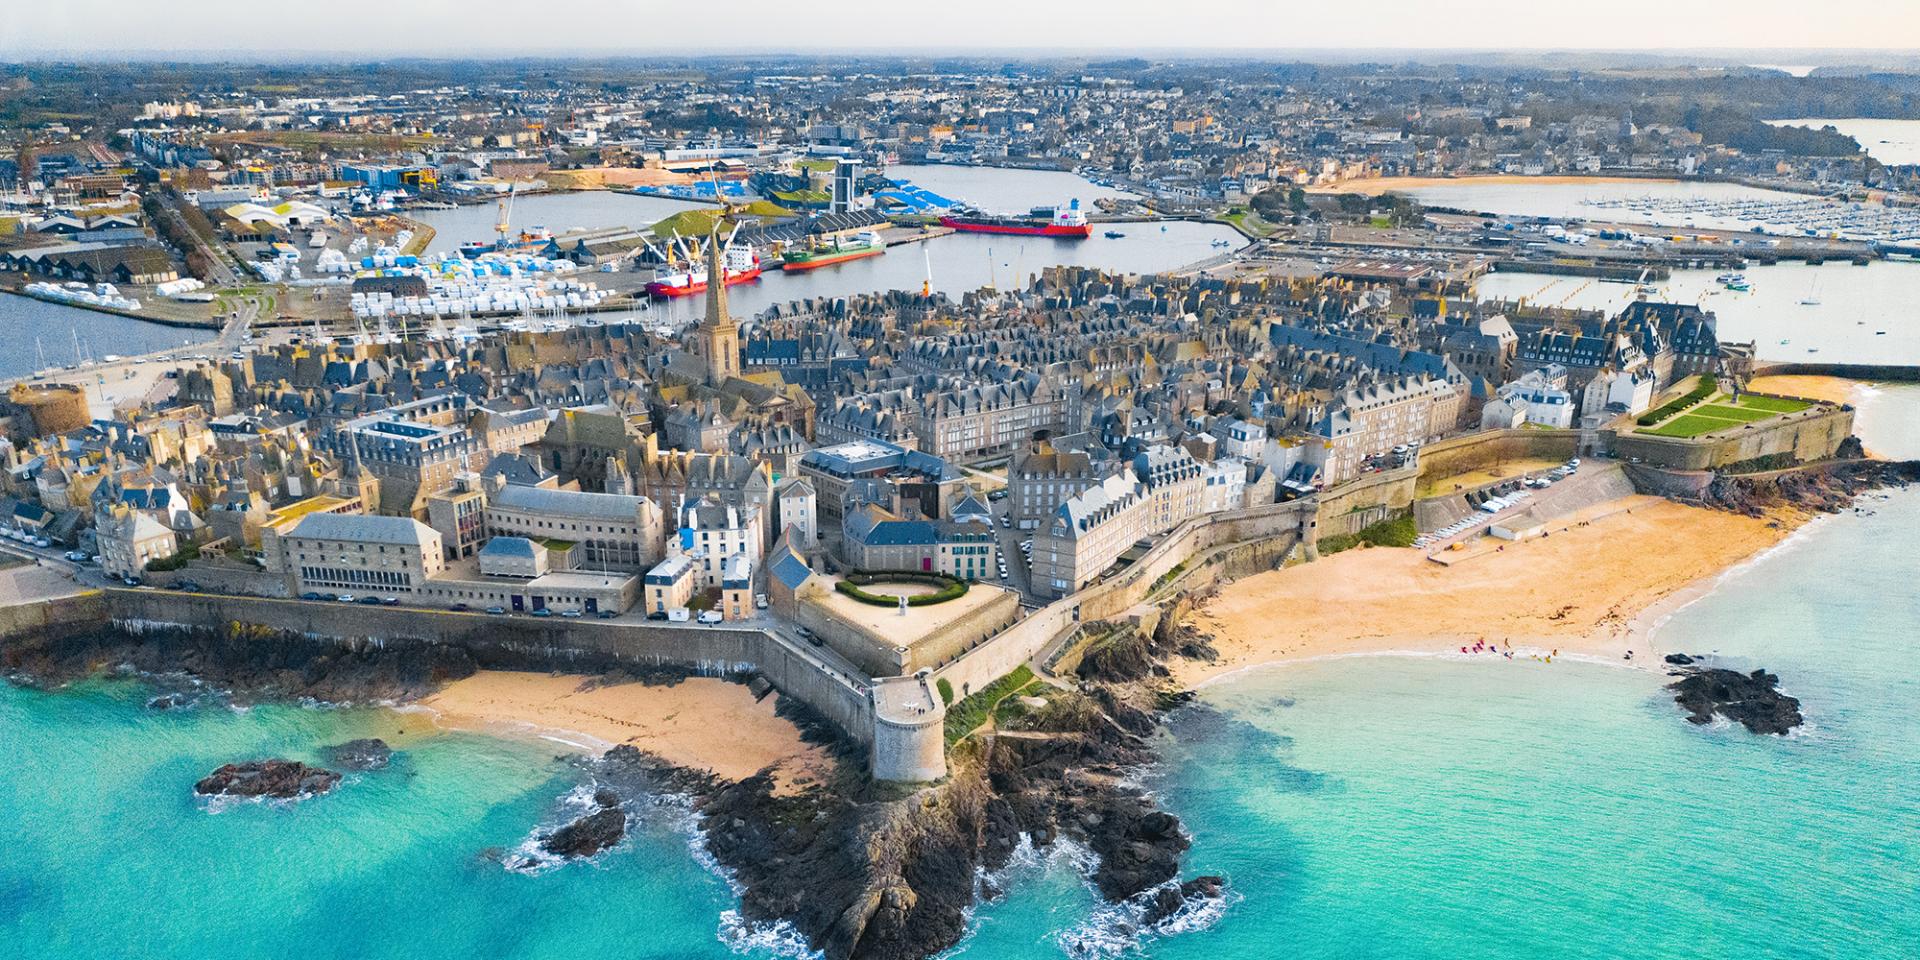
[569,613]
[459,607]
[496,611]
[657,615]
[368,601]
[710,617]
[346,598]
[42,542]
[543,612]
[310,595]
[606,615]
[759,601]
[76,556]
[390,601]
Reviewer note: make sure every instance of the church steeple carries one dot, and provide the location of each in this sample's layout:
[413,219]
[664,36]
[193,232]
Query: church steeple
[719,336]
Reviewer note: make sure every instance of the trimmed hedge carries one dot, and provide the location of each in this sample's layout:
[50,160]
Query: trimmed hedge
[1702,390]
[951,588]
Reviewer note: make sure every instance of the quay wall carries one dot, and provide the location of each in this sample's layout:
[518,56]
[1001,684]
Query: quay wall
[1900,373]
[1662,482]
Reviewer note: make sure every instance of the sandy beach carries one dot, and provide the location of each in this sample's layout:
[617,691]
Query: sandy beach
[700,723]
[1587,588]
[1374,186]
[1830,389]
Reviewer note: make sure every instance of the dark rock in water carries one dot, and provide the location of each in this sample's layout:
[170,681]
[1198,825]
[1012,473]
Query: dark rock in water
[592,833]
[1679,659]
[1167,901]
[279,779]
[369,754]
[1752,699]
[169,701]
[1139,847]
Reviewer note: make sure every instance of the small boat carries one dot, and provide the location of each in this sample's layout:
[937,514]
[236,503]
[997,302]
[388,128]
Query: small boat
[1113,234]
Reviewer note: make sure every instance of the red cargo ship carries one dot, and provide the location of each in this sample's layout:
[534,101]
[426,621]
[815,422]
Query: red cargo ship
[742,265]
[1068,223]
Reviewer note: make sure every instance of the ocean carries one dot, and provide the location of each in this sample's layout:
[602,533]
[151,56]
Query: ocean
[1370,806]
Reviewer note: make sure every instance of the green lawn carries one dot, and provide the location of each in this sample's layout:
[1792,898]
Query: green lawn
[1727,411]
[1773,404]
[1723,413]
[967,715]
[1689,425]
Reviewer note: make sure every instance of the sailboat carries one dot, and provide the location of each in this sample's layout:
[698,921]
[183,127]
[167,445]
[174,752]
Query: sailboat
[1812,299]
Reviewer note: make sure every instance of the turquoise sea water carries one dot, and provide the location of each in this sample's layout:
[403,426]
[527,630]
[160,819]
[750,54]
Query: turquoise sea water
[1364,807]
[107,854]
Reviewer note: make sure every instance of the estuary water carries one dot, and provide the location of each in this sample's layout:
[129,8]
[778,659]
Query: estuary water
[1864,315]
[1892,142]
[36,328]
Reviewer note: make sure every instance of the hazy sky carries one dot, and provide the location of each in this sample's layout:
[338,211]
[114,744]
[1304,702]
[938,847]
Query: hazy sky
[454,27]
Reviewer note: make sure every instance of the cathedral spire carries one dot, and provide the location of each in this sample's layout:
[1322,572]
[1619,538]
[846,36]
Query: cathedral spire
[719,336]
[716,280]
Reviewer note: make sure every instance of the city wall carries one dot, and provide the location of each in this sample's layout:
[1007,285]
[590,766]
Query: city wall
[887,656]
[1809,435]
[557,643]
[1457,455]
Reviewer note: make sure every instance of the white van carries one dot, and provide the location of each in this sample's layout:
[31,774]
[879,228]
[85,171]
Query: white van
[710,617]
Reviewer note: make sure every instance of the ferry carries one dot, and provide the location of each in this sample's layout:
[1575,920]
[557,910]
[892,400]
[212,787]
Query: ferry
[1069,223]
[742,264]
[838,250]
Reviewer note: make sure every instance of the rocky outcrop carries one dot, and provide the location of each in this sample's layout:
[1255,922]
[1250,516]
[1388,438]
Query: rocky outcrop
[592,833]
[1169,900]
[875,877]
[1751,699]
[1828,487]
[254,663]
[370,754]
[273,779]
[1128,653]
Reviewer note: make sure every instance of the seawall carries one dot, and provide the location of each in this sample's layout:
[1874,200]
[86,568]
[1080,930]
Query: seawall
[564,644]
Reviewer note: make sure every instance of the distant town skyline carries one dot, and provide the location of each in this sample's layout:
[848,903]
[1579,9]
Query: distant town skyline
[451,28]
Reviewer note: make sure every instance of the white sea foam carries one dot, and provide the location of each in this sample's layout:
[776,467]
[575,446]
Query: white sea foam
[1115,929]
[779,939]
[530,857]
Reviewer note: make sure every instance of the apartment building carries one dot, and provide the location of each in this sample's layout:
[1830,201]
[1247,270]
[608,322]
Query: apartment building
[358,553]
[1174,484]
[610,531]
[1038,483]
[412,459]
[711,533]
[1087,534]
[990,420]
[1371,420]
